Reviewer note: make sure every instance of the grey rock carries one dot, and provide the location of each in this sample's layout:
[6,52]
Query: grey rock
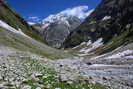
[57,31]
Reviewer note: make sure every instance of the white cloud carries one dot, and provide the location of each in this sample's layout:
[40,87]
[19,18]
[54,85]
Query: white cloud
[34,19]
[80,11]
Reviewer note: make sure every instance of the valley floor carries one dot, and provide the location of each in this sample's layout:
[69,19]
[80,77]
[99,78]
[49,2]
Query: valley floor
[25,70]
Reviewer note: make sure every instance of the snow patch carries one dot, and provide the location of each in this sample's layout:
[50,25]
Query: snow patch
[124,54]
[99,65]
[45,25]
[89,43]
[98,43]
[94,46]
[31,23]
[83,43]
[9,28]
[129,57]
[56,18]
[106,18]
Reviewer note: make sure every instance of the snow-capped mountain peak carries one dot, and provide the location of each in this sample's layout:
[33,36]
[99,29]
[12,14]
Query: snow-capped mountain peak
[55,18]
[56,28]
[58,19]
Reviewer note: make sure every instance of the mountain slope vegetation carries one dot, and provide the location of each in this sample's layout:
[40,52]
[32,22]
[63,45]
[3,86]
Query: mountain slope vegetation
[111,20]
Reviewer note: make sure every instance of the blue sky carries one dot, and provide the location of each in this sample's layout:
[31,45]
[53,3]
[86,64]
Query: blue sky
[44,8]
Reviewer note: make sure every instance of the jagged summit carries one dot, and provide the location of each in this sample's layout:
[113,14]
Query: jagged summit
[54,18]
[60,19]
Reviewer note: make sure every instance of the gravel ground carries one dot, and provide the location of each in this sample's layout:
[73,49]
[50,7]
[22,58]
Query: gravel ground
[15,68]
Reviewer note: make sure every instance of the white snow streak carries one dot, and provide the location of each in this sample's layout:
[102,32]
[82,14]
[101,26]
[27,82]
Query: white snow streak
[9,28]
[106,18]
[31,23]
[124,54]
[99,65]
[94,46]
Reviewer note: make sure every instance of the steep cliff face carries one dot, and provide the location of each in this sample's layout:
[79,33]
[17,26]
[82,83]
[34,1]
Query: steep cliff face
[56,28]
[111,19]
[57,31]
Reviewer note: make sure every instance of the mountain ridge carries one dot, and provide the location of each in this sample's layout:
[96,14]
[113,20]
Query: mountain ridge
[94,27]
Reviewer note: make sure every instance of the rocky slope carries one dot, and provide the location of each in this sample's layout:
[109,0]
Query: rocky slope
[111,19]
[25,70]
[107,31]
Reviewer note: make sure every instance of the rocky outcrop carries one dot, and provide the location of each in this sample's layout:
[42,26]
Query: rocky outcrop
[57,31]
[56,28]
[107,21]
[37,27]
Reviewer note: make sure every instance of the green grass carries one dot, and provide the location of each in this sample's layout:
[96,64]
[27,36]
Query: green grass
[23,43]
[62,85]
